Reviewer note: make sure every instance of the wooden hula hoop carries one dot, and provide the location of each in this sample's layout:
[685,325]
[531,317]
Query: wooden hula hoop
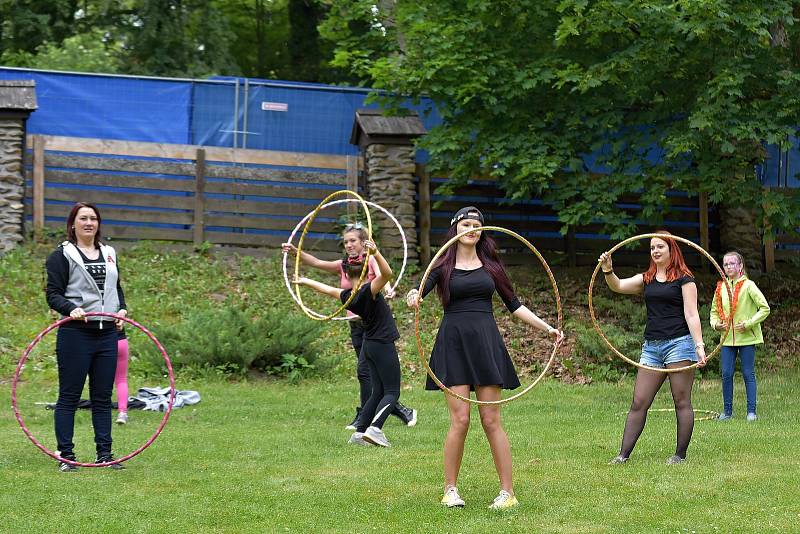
[364,269]
[612,347]
[427,273]
[24,358]
[342,201]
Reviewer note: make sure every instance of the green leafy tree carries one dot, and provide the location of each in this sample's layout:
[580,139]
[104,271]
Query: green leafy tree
[177,38]
[662,95]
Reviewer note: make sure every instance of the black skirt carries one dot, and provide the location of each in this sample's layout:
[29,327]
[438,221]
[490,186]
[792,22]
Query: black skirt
[469,350]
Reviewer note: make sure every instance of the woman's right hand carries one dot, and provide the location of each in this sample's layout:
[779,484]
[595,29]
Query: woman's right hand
[605,262]
[412,298]
[288,247]
[721,326]
[79,313]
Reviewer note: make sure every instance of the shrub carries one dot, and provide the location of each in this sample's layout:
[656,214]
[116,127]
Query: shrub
[234,341]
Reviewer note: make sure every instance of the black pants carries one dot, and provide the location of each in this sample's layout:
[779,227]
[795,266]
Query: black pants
[83,352]
[384,367]
[362,367]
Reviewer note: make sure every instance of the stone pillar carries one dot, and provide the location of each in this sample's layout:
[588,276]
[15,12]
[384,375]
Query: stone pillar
[738,231]
[386,144]
[390,183]
[17,101]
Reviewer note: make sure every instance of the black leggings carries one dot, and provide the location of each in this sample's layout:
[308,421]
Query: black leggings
[384,367]
[81,352]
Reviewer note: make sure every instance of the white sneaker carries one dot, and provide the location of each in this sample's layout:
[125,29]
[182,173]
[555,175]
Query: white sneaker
[751,416]
[122,418]
[503,501]
[358,439]
[451,498]
[376,436]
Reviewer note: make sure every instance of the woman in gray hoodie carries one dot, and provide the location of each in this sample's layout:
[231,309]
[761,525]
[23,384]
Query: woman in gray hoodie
[82,277]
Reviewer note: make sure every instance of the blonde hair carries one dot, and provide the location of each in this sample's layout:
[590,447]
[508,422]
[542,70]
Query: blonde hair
[738,257]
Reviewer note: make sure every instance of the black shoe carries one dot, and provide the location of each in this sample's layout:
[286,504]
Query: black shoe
[103,458]
[352,426]
[407,415]
[64,467]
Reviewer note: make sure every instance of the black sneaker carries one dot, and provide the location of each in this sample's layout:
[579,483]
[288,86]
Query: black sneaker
[352,426]
[103,458]
[407,415]
[64,467]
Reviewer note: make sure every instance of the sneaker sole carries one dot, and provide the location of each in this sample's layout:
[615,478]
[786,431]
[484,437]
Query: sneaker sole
[413,421]
[448,505]
[376,442]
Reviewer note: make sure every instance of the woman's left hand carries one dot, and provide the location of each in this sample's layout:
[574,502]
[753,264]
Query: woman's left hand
[739,327]
[389,293]
[120,323]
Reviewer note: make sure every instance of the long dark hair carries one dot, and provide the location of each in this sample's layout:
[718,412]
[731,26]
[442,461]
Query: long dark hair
[71,237]
[486,249]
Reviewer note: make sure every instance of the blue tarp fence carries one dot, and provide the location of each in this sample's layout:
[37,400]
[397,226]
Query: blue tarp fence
[227,112]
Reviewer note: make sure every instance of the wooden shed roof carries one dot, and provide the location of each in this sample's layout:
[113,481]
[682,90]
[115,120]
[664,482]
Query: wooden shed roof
[373,123]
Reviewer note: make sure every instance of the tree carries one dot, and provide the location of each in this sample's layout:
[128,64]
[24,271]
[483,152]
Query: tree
[581,102]
[177,38]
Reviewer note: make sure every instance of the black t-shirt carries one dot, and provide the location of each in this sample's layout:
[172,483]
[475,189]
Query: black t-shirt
[664,301]
[96,269]
[377,316]
[471,290]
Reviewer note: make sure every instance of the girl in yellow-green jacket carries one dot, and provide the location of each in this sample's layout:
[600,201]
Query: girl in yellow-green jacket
[749,309]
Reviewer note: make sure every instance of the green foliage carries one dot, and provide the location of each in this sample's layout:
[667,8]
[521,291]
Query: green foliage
[239,341]
[83,52]
[674,95]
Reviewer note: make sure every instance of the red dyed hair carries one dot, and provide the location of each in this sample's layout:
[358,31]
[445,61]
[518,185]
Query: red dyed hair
[677,265]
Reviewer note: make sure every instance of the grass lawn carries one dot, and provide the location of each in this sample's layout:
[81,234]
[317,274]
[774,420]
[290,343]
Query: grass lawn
[272,457]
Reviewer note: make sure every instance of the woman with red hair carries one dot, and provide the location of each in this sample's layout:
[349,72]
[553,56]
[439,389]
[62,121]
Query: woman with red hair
[672,339]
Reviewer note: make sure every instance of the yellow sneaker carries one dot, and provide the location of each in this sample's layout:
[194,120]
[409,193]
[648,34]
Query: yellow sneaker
[504,501]
[451,498]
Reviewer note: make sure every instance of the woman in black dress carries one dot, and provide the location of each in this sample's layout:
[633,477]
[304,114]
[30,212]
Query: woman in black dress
[469,353]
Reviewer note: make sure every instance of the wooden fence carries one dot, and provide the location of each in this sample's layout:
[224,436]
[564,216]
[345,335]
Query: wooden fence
[187,193]
[688,217]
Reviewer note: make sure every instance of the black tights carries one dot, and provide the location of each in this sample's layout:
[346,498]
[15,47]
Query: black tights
[647,385]
[384,368]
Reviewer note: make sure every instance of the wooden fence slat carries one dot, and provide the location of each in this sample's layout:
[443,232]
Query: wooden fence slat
[118,180]
[281,191]
[265,208]
[274,175]
[199,197]
[127,199]
[123,215]
[131,165]
[352,183]
[424,202]
[188,152]
[38,183]
[143,232]
[705,242]
[266,223]
[329,245]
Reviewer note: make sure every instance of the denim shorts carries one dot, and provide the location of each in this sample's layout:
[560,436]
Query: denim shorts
[660,352]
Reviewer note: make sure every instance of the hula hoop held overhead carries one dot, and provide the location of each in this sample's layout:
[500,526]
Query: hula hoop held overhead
[310,313]
[36,341]
[425,276]
[600,331]
[393,287]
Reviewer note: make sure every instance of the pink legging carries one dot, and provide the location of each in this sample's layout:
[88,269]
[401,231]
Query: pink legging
[121,378]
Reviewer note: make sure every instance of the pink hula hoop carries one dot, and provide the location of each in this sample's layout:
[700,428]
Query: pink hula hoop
[36,341]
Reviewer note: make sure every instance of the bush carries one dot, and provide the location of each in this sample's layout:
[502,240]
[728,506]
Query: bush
[231,340]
